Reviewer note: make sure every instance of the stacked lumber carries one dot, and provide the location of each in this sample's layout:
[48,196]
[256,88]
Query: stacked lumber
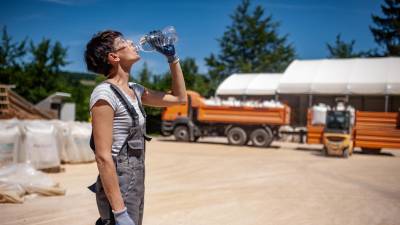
[377,130]
[13,105]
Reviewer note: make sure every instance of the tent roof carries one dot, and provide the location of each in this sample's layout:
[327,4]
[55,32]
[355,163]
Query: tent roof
[249,84]
[338,76]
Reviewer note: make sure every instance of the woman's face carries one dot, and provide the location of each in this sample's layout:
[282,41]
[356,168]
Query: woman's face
[126,51]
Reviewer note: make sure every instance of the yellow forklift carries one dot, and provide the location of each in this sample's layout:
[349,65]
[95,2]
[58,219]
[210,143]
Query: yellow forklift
[338,134]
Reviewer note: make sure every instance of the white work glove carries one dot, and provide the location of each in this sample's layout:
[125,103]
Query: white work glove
[122,218]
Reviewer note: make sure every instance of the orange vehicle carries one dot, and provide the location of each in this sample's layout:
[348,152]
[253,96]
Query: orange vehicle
[240,124]
[372,131]
[377,130]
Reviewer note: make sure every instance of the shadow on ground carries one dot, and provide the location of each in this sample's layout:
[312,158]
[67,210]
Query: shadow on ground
[317,152]
[220,143]
[313,150]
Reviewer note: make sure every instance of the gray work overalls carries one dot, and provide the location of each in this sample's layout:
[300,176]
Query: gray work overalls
[129,164]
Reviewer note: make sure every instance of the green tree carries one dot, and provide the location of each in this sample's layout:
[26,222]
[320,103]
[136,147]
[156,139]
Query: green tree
[250,44]
[342,49]
[193,79]
[35,70]
[387,28]
[34,79]
[42,72]
[11,54]
[144,76]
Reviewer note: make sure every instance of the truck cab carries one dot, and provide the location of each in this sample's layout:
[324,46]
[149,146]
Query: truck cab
[177,120]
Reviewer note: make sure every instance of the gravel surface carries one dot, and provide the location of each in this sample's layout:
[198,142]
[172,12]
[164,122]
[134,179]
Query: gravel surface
[212,183]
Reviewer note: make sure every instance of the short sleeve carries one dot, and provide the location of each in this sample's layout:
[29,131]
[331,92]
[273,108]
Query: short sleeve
[104,92]
[138,88]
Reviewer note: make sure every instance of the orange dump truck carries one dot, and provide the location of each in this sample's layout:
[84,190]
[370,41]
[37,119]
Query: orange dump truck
[371,132]
[240,124]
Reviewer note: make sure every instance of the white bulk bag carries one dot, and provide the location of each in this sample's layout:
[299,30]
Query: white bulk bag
[19,179]
[62,134]
[352,111]
[83,141]
[10,137]
[285,137]
[212,101]
[78,148]
[319,114]
[269,104]
[40,145]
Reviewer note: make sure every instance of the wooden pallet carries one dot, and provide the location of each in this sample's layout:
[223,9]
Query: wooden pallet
[4,101]
[13,105]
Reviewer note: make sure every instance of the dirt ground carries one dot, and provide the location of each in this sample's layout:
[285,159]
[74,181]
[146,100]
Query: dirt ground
[210,183]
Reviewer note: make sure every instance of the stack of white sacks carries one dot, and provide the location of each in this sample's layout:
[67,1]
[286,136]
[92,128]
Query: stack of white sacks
[44,143]
[319,113]
[231,101]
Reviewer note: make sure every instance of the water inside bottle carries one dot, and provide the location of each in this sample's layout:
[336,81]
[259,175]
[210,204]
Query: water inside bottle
[169,38]
[144,45]
[170,35]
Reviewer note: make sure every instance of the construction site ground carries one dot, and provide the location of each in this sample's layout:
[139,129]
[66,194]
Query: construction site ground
[213,183]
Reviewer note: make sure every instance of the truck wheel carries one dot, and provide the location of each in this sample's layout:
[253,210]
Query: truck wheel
[237,136]
[261,137]
[371,150]
[181,133]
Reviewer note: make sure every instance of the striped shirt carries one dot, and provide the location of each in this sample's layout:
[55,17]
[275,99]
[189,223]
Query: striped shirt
[122,120]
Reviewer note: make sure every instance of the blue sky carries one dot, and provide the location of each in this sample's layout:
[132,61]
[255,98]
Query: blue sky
[310,24]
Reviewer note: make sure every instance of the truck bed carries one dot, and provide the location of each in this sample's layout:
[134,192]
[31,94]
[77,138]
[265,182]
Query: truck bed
[244,115]
[376,130]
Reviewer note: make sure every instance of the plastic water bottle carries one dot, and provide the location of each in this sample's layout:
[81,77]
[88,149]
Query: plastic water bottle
[169,37]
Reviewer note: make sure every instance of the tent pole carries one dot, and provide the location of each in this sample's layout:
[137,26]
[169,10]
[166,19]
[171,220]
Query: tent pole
[276,97]
[309,100]
[386,103]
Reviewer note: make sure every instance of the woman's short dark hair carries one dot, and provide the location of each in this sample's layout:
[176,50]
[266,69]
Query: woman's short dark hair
[97,50]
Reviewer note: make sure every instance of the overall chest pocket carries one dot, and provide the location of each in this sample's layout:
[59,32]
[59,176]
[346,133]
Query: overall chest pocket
[136,144]
[136,140]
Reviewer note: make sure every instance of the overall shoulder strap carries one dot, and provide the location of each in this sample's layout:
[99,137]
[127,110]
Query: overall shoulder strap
[121,96]
[139,100]
[129,107]
[148,138]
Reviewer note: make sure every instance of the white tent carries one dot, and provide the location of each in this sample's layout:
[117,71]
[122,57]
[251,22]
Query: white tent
[249,84]
[367,76]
